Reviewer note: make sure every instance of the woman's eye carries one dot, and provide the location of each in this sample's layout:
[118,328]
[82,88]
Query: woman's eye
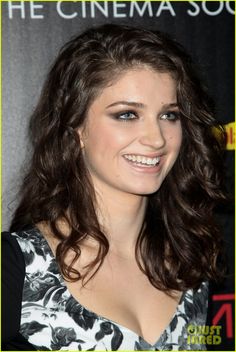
[126,116]
[171,116]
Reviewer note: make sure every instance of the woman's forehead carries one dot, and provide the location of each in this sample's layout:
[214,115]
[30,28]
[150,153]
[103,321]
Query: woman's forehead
[140,86]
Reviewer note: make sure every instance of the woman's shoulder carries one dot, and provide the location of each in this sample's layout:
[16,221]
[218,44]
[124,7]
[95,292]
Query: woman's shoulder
[199,295]
[12,237]
[27,233]
[11,251]
[29,245]
[200,301]
[202,291]
[12,283]
[13,274]
[16,248]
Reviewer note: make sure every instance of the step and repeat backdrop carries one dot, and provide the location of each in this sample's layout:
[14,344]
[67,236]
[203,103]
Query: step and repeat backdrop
[32,34]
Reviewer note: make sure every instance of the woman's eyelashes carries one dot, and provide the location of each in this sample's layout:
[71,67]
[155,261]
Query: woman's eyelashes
[133,115]
[125,115]
[170,115]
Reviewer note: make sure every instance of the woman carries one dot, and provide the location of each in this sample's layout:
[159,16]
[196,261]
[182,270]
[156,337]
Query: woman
[114,240]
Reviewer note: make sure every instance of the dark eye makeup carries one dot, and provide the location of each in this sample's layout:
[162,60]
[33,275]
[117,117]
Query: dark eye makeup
[125,115]
[130,115]
[170,115]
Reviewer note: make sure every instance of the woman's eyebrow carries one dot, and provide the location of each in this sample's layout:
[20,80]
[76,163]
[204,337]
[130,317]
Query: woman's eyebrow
[141,105]
[170,106]
[129,103]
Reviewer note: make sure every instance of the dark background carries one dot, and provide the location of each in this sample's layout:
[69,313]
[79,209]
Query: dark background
[32,34]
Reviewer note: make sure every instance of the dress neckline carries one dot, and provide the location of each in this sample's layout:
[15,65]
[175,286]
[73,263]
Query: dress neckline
[100,317]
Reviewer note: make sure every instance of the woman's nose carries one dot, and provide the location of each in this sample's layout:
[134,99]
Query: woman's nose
[152,135]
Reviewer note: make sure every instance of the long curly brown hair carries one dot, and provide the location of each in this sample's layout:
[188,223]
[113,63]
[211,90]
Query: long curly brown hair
[180,243]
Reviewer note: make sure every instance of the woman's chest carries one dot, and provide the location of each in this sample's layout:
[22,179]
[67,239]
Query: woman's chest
[123,294]
[55,316]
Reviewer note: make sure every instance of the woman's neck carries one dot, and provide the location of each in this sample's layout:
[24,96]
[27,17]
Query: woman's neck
[121,216]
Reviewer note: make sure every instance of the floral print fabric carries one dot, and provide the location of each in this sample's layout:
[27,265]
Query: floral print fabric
[51,319]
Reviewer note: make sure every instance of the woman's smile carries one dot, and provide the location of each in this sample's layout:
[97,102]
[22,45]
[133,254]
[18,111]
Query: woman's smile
[143,160]
[144,164]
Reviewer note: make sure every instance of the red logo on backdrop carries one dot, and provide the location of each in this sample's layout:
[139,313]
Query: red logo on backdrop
[225,312]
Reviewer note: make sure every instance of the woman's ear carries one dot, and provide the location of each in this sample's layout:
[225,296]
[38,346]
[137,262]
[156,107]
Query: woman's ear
[80,133]
[81,143]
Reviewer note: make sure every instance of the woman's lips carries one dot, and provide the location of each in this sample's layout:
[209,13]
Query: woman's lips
[143,163]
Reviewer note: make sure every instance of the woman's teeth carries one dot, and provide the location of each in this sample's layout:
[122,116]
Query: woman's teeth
[138,159]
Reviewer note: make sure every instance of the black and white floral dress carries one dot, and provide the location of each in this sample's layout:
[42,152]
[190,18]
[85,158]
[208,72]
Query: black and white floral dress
[51,319]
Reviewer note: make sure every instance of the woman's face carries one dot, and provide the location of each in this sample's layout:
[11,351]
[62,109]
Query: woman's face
[132,135]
